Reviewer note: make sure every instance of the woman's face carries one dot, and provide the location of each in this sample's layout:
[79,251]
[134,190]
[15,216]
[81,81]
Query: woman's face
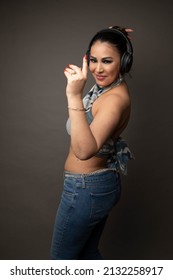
[104,63]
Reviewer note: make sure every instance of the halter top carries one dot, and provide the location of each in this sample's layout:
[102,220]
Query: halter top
[116,151]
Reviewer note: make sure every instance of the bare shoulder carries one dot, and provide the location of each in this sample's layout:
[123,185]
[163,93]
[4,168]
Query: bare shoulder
[117,98]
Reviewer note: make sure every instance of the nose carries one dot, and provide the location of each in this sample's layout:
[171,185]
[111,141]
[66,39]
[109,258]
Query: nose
[99,68]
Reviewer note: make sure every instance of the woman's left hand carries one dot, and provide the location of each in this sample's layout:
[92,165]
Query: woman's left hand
[76,78]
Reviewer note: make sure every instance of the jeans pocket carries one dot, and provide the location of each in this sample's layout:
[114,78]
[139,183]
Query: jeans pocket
[68,195]
[102,203]
[67,200]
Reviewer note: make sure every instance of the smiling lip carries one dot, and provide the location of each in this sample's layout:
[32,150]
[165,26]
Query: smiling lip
[100,77]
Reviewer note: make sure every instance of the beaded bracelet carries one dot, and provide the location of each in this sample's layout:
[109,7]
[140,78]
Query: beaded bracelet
[76,109]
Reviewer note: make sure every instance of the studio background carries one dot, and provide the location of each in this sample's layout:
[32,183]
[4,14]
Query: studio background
[37,40]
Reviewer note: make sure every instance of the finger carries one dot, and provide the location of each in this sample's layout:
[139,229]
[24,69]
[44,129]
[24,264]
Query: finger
[74,69]
[85,66]
[67,73]
[129,30]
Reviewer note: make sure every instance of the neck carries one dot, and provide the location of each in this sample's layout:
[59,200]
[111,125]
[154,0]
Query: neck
[117,82]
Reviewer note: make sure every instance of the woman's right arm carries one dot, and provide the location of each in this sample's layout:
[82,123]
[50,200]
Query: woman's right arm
[83,142]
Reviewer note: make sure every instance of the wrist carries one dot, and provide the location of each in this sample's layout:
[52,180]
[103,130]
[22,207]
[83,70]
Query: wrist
[74,101]
[71,99]
[76,109]
[76,95]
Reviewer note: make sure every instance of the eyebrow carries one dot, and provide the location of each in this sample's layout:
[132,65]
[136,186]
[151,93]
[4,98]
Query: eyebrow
[107,57]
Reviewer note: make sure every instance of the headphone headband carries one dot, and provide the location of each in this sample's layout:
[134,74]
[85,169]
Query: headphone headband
[117,30]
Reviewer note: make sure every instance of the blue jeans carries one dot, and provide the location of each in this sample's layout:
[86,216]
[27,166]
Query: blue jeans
[84,207]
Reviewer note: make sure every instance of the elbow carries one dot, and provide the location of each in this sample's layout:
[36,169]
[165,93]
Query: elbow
[83,154]
[84,151]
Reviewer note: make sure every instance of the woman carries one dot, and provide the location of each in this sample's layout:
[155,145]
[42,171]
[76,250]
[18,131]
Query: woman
[97,153]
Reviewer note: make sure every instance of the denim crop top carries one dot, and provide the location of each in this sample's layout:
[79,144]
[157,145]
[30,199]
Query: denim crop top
[116,151]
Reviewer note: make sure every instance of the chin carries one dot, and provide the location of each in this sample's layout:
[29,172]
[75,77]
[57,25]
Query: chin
[103,84]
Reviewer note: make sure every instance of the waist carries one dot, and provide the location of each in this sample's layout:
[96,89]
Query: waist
[75,165]
[102,178]
[96,172]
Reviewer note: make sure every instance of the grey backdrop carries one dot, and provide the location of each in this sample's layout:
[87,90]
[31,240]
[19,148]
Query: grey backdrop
[37,40]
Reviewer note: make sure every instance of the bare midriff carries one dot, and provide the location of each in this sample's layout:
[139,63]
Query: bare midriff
[75,165]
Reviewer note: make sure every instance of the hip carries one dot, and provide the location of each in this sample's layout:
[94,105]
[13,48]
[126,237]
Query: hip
[104,179]
[96,192]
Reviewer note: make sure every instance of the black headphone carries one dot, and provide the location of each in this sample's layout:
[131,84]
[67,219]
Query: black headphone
[127,57]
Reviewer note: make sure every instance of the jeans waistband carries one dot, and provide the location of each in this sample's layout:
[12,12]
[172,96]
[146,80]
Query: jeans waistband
[77,175]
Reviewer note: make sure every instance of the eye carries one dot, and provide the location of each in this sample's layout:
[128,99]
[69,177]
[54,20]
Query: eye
[93,60]
[107,61]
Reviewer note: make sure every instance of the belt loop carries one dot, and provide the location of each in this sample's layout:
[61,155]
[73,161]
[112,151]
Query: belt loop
[83,180]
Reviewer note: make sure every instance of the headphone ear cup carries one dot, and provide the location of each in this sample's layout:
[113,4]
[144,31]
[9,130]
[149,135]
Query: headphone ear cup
[126,62]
